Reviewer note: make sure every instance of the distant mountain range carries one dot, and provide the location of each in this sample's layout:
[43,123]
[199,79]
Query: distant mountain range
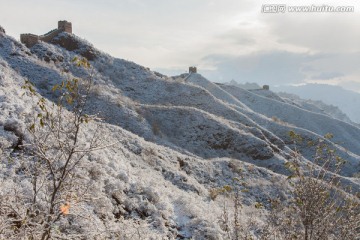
[247,85]
[348,101]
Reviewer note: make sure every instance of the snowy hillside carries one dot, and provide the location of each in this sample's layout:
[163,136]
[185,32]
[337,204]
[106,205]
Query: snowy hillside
[172,142]
[316,106]
[347,101]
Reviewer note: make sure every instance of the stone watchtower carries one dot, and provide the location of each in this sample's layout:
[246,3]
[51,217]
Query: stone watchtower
[31,39]
[192,70]
[65,26]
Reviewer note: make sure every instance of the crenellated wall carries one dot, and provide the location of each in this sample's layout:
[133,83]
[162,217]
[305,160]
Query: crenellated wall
[49,36]
[31,39]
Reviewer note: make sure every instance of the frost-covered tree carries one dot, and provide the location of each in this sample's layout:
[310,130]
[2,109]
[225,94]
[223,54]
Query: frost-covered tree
[319,208]
[50,158]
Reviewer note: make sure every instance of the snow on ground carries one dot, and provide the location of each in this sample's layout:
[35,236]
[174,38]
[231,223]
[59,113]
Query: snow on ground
[329,94]
[316,106]
[175,139]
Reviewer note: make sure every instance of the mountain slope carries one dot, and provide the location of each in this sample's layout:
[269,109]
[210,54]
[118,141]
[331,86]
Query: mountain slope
[316,106]
[347,101]
[173,140]
[118,82]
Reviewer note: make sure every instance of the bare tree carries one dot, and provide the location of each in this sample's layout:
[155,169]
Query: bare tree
[319,207]
[57,144]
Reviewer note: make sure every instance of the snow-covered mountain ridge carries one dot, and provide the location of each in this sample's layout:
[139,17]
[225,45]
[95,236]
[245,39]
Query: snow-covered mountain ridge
[348,101]
[175,139]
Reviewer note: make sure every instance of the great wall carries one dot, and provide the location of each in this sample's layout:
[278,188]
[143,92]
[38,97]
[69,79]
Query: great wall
[64,26]
[31,39]
[192,69]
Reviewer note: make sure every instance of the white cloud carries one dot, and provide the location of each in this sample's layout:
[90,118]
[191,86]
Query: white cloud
[318,32]
[284,67]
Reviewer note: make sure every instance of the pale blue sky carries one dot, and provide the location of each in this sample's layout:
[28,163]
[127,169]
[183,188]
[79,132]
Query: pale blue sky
[226,39]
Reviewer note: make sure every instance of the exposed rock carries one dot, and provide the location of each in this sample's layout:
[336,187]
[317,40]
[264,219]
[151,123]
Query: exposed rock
[72,43]
[2,29]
